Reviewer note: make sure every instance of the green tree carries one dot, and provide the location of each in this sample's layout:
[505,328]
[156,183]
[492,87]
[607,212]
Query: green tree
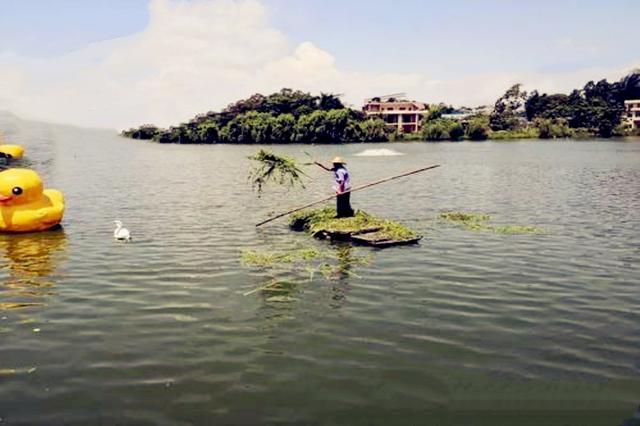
[146,131]
[329,101]
[284,128]
[311,128]
[509,109]
[208,132]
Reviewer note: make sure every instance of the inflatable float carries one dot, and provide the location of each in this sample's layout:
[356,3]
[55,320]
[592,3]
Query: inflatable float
[24,205]
[11,151]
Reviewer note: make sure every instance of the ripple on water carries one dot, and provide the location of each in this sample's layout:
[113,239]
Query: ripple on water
[159,331]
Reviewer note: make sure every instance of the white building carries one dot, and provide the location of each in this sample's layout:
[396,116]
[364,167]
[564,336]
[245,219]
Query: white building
[402,115]
[632,112]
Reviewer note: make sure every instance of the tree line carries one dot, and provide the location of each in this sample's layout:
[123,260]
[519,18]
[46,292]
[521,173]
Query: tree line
[286,116]
[595,110]
[290,116]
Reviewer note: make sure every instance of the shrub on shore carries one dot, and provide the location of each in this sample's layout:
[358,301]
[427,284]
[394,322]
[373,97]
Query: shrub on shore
[524,133]
[478,128]
[551,128]
[442,129]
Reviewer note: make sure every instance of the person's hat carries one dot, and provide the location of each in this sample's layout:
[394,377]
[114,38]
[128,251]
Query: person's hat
[338,160]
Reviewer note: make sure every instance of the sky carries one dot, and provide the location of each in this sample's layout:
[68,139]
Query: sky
[120,63]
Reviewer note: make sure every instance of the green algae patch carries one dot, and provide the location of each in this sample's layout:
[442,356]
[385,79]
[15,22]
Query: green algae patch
[478,222]
[271,258]
[465,218]
[324,223]
[289,271]
[517,229]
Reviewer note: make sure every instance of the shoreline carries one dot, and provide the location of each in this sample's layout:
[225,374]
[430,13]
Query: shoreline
[586,139]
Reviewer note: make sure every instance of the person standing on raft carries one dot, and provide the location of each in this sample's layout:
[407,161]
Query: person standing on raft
[342,186]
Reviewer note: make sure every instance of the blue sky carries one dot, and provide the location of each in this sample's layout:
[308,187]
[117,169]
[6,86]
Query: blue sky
[428,35]
[453,35]
[47,28]
[426,48]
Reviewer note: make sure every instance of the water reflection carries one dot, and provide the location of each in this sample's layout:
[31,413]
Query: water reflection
[633,421]
[29,262]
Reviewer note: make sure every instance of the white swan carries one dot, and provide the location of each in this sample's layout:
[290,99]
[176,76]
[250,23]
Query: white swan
[121,234]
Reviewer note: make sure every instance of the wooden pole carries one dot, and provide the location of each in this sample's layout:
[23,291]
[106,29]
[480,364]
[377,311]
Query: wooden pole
[352,190]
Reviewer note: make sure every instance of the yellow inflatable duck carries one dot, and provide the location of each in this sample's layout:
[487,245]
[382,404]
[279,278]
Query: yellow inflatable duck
[12,151]
[24,205]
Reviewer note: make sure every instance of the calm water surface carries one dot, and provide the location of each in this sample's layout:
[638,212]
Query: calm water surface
[466,328]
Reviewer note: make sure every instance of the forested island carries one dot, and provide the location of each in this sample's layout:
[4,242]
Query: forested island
[286,116]
[293,116]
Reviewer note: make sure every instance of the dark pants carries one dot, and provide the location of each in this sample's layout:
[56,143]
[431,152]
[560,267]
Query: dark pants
[343,205]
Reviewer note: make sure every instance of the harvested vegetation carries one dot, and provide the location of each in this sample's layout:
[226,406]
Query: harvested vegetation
[270,167]
[324,220]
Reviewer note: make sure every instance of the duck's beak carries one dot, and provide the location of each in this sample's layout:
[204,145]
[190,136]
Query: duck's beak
[4,199]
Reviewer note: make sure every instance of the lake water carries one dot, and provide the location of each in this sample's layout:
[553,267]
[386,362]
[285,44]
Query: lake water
[465,328]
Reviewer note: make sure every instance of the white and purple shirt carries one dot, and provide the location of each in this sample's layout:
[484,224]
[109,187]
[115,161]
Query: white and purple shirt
[342,180]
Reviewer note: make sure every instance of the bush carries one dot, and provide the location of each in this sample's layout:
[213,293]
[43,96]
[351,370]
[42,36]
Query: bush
[441,129]
[374,130]
[478,128]
[435,130]
[456,132]
[524,133]
[551,128]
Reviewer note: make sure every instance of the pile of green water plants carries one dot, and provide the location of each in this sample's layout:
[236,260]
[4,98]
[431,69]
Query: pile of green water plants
[478,222]
[324,219]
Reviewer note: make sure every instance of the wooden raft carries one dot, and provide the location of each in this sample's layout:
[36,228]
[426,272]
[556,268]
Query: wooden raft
[367,237]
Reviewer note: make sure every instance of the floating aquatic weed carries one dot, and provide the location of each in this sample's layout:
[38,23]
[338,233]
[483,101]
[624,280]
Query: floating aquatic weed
[275,286]
[303,263]
[270,167]
[477,222]
[308,254]
[464,217]
[517,229]
[334,272]
[271,258]
[255,258]
[18,305]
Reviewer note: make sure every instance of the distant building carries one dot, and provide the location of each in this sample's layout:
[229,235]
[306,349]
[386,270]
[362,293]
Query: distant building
[632,114]
[402,115]
[458,116]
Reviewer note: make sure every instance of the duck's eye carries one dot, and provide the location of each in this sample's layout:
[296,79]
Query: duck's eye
[17,190]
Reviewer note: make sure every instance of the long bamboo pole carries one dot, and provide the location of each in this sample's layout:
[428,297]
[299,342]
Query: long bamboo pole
[352,190]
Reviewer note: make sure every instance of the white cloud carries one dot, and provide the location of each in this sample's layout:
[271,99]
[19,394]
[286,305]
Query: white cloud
[201,55]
